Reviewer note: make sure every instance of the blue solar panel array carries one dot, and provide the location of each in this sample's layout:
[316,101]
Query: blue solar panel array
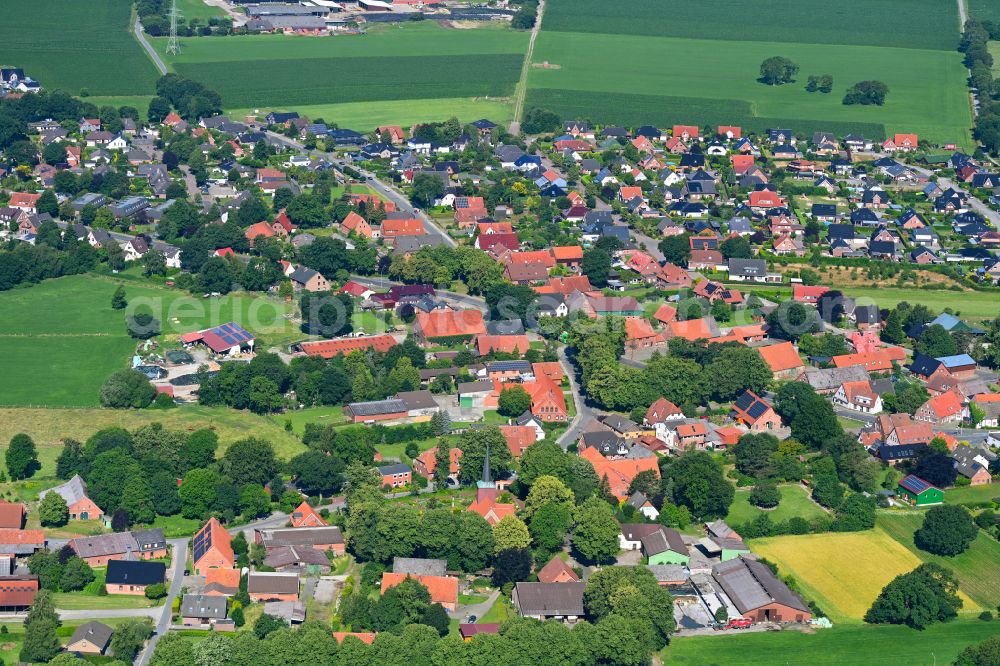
[915,484]
[202,542]
[232,334]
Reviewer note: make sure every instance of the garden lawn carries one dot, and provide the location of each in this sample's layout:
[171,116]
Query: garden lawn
[197,9]
[882,645]
[978,305]
[330,415]
[795,501]
[977,569]
[714,82]
[80,601]
[498,612]
[971,494]
[76,46]
[407,62]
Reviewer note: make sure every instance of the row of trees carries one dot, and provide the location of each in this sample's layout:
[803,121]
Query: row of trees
[616,639]
[974,45]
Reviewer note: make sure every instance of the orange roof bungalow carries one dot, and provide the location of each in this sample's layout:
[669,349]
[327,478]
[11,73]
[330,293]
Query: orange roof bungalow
[507,344]
[808,294]
[518,438]
[365,637]
[619,472]
[402,227]
[639,334]
[741,163]
[355,224]
[212,548]
[12,515]
[259,230]
[665,314]
[337,347]
[783,359]
[568,255]
[222,582]
[553,370]
[443,589]
[445,326]
[731,131]
[877,361]
[557,571]
[306,516]
[426,463]
[543,257]
[692,329]
[685,132]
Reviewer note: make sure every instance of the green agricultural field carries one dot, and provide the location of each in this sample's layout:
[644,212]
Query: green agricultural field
[977,569]
[883,645]
[842,572]
[366,116]
[709,82]
[929,23]
[73,45]
[60,354]
[795,501]
[984,10]
[412,62]
[60,371]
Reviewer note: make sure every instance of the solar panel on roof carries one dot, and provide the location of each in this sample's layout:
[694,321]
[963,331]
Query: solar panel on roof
[915,484]
[756,409]
[744,401]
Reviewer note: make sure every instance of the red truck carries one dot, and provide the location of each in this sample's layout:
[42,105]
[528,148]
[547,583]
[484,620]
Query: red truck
[734,623]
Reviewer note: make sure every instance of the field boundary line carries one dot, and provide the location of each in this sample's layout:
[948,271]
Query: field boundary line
[521,89]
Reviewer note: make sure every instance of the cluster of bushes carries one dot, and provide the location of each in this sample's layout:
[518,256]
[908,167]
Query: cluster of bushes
[690,376]
[854,514]
[62,570]
[261,385]
[133,476]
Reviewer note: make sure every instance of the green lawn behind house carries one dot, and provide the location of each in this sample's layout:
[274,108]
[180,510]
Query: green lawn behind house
[795,501]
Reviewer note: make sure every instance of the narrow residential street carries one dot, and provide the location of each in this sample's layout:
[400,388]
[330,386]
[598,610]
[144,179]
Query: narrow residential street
[176,584]
[391,193]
